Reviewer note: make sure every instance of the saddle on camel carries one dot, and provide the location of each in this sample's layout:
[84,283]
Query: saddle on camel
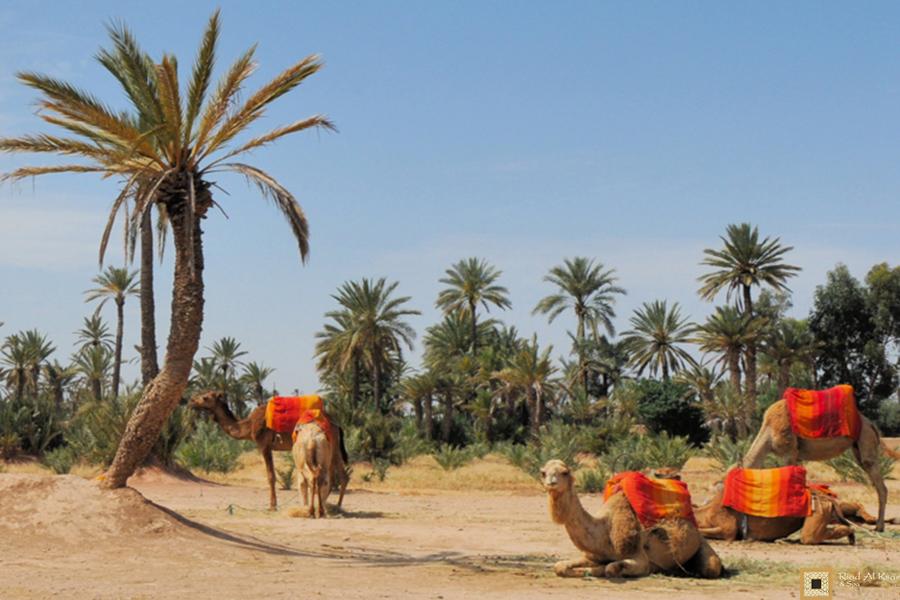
[270,428]
[770,504]
[820,425]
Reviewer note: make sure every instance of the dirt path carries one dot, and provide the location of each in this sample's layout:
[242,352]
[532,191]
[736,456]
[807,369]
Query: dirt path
[220,543]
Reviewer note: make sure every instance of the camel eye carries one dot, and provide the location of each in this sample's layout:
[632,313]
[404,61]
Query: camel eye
[543,473]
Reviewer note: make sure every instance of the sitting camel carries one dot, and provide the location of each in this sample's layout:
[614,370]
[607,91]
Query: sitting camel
[777,436]
[312,455]
[614,542]
[720,522]
[254,429]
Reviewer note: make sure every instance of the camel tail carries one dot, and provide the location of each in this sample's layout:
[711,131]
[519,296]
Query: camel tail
[892,453]
[343,447]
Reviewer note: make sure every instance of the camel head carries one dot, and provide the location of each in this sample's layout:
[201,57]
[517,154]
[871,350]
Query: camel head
[663,473]
[555,476]
[207,400]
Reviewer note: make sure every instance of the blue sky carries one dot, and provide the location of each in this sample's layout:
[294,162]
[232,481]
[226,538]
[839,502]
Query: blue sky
[519,132]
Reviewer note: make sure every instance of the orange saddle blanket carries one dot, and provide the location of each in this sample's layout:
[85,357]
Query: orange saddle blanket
[824,413]
[282,412]
[770,493]
[652,499]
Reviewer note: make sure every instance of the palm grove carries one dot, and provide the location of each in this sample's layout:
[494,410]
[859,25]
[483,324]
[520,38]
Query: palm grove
[480,383]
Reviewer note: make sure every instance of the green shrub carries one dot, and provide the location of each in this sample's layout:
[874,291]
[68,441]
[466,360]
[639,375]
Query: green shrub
[10,445]
[210,449]
[592,480]
[177,428]
[665,406]
[478,449]
[97,427]
[409,444]
[726,452]
[847,468]
[650,451]
[375,438]
[60,460]
[34,420]
[450,458]
[516,454]
[888,420]
[286,474]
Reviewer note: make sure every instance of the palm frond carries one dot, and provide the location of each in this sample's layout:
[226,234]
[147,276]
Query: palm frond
[201,75]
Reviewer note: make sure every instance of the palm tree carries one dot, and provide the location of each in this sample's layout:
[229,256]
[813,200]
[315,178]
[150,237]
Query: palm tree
[656,338]
[226,354]
[59,376]
[472,282]
[746,261]
[166,150]
[420,390]
[149,362]
[588,290]
[116,284]
[788,343]
[25,354]
[93,363]
[531,371]
[337,351]
[94,332]
[255,375]
[375,326]
[727,332]
[15,358]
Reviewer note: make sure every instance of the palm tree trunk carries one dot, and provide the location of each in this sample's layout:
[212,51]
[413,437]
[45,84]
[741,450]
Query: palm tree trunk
[750,379]
[474,329]
[784,378]
[581,359]
[429,418]
[97,389]
[447,421]
[355,382]
[117,364]
[164,392]
[376,384]
[734,369]
[417,410]
[149,364]
[536,415]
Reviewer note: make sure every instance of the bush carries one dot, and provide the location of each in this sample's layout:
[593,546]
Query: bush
[726,452]
[34,421]
[177,428]
[639,453]
[450,458]
[60,460]
[210,449]
[665,406]
[592,480]
[409,444]
[10,445]
[846,467]
[374,439]
[516,454]
[97,427]
[286,474]
[889,417]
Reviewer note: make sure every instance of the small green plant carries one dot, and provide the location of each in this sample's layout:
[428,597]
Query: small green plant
[380,468]
[60,460]
[450,458]
[478,449]
[286,474]
[10,445]
[847,468]
[650,451]
[209,449]
[516,454]
[592,480]
[409,444]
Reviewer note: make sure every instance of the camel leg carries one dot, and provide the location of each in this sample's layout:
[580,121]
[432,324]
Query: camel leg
[637,566]
[705,562]
[313,496]
[578,568]
[323,489]
[867,451]
[816,530]
[855,510]
[270,472]
[304,492]
[716,533]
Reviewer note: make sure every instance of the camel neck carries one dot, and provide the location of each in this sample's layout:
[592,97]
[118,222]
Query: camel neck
[566,509]
[226,420]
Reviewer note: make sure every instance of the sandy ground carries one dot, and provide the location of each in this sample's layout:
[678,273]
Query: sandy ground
[422,533]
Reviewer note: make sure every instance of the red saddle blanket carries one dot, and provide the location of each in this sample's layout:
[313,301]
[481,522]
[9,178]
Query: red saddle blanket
[770,493]
[282,412]
[823,413]
[652,499]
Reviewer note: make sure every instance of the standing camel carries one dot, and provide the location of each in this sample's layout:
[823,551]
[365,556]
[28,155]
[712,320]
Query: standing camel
[254,429]
[615,544]
[720,522]
[312,452]
[777,436]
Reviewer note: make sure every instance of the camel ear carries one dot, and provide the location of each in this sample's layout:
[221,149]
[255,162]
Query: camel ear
[565,471]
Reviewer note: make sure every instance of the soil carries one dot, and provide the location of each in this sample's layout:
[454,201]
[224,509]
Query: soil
[422,533]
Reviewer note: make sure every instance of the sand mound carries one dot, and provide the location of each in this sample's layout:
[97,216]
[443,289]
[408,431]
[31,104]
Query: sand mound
[72,509]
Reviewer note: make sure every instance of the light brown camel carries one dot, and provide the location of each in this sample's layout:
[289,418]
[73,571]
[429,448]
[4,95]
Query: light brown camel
[776,436]
[312,455]
[720,522]
[254,429]
[615,544]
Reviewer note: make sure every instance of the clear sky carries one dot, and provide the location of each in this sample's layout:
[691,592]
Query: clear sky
[518,132]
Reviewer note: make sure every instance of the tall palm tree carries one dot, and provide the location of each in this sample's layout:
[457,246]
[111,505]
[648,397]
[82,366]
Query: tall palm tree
[149,362]
[337,351]
[742,263]
[788,343]
[94,332]
[25,354]
[166,150]
[727,332]
[420,390]
[376,327]
[58,377]
[701,380]
[472,282]
[656,339]
[531,371]
[255,376]
[226,355]
[585,288]
[116,284]
[94,364]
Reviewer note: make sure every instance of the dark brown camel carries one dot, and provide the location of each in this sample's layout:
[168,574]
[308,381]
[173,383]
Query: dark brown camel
[254,429]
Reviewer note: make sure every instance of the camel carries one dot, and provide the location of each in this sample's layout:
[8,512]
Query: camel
[615,544]
[720,522]
[254,429]
[776,436]
[312,452]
